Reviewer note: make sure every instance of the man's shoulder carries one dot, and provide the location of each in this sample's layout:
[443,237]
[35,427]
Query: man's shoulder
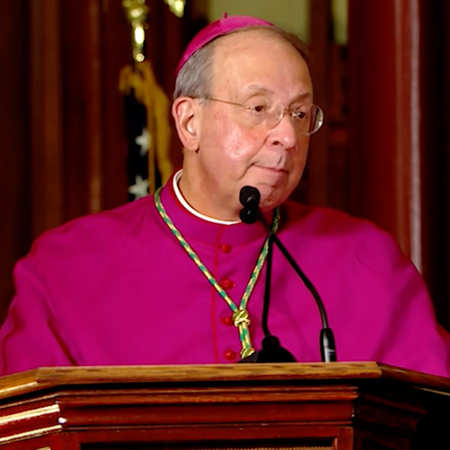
[327,226]
[318,219]
[99,230]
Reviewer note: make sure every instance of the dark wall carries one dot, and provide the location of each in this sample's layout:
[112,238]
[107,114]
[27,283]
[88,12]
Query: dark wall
[398,161]
[14,142]
[62,138]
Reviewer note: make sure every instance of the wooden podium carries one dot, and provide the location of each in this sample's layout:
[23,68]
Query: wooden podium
[243,406]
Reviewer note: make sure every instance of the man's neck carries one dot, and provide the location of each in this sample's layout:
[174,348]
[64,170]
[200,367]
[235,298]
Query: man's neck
[178,192]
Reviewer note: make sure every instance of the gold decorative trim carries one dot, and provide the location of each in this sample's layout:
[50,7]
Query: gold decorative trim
[30,414]
[177,7]
[30,434]
[433,391]
[137,14]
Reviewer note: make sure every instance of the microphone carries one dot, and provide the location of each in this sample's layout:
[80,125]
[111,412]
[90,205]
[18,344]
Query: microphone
[271,351]
[249,197]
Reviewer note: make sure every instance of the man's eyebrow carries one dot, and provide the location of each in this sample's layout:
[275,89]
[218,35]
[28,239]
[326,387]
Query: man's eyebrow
[255,89]
[258,89]
[303,96]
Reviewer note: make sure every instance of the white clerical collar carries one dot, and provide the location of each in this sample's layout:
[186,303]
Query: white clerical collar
[181,199]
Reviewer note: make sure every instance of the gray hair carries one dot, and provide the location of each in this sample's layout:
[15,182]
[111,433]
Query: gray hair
[195,77]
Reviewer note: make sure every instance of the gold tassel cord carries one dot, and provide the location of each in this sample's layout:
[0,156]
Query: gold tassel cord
[177,7]
[141,80]
[137,14]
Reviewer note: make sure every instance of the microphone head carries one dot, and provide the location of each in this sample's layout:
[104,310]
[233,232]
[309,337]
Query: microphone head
[249,197]
[248,215]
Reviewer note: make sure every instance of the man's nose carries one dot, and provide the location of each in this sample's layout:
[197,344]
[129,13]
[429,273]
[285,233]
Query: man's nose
[283,133]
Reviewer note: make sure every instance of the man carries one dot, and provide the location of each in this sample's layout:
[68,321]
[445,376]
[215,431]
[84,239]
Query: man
[179,279]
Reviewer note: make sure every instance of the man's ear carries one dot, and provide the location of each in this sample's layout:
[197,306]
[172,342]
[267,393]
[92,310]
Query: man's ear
[185,111]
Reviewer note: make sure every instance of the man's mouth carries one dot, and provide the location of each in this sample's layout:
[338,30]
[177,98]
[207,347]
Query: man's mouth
[273,169]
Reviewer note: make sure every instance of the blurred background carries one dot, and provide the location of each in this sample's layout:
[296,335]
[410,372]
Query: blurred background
[381,71]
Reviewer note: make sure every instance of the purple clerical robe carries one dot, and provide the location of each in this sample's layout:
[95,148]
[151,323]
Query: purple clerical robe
[117,288]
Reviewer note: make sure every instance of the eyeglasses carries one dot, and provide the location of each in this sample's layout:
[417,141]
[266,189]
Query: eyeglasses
[305,119]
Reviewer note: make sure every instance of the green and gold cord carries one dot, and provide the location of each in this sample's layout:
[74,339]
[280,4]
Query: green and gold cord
[241,317]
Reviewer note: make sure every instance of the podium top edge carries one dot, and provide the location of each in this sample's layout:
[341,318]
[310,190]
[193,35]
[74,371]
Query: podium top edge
[49,377]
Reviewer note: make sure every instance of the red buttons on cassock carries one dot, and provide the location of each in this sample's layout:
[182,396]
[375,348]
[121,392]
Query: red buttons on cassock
[230,355]
[226,248]
[227,284]
[227,320]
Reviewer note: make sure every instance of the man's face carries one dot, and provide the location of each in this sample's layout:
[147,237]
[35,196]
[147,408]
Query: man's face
[252,68]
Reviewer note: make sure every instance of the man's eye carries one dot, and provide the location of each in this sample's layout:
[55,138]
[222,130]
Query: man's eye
[259,109]
[299,115]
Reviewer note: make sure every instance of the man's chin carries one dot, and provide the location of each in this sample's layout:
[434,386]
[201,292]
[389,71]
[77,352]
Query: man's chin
[271,197]
[268,203]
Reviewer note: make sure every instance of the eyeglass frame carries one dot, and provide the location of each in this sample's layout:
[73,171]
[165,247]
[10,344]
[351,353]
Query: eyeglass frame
[278,117]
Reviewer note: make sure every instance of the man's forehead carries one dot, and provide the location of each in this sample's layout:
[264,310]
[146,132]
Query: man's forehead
[249,48]
[259,62]
[251,39]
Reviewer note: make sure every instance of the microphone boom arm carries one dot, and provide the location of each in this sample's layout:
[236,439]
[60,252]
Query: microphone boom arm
[327,343]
